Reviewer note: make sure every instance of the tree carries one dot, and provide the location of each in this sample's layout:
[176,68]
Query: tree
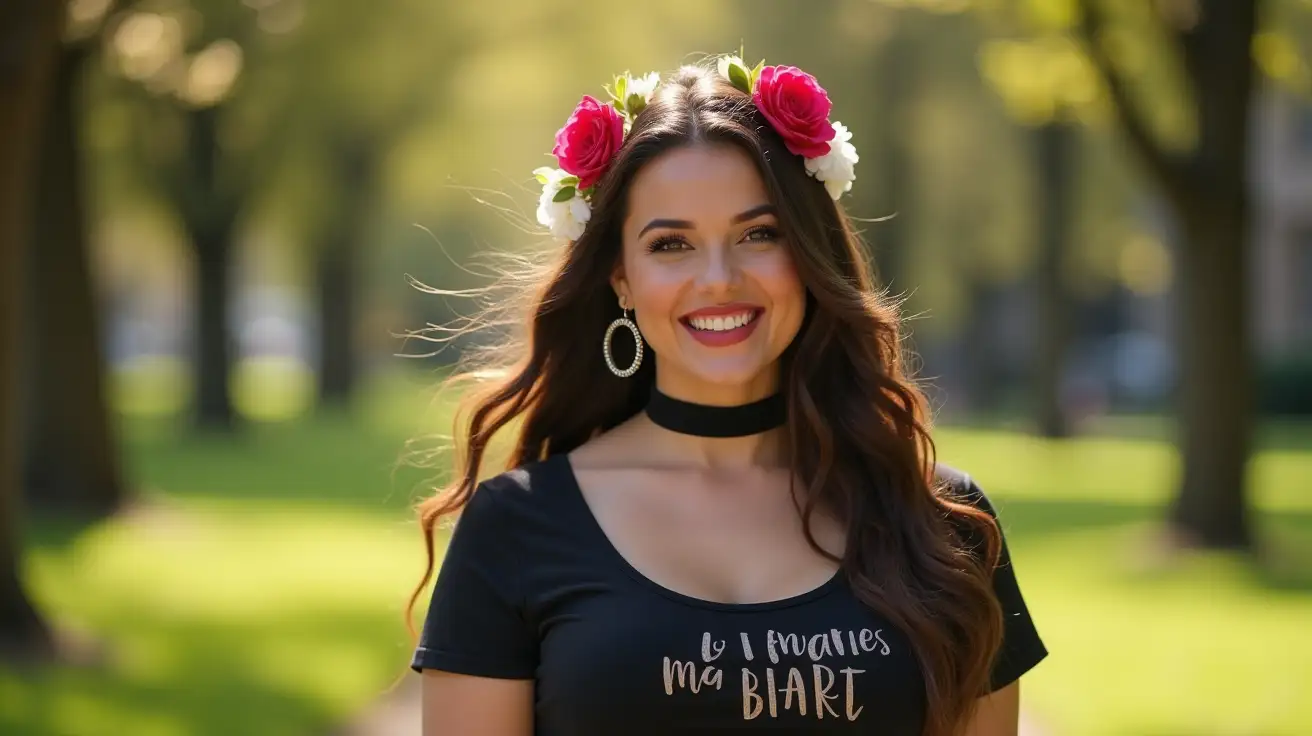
[895,68]
[1178,79]
[71,453]
[1055,143]
[1206,190]
[356,165]
[390,96]
[199,145]
[29,43]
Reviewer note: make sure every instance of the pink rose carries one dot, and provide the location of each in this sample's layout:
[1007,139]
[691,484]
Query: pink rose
[589,140]
[797,107]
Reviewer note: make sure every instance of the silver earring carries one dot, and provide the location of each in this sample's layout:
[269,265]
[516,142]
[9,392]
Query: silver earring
[623,321]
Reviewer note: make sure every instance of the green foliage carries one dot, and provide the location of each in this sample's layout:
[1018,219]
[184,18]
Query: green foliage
[740,76]
[1040,66]
[619,94]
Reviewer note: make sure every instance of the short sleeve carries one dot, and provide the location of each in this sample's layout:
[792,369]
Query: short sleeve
[1022,648]
[476,622]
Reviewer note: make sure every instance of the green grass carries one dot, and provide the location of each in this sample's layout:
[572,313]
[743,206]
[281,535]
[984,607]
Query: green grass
[260,591]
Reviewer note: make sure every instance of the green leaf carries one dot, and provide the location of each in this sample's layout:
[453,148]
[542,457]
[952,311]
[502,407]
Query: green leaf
[621,83]
[569,181]
[543,174]
[564,195]
[634,104]
[756,72]
[740,77]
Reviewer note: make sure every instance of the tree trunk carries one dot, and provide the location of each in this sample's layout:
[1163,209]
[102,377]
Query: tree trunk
[337,311]
[1216,373]
[71,458]
[896,76]
[1055,147]
[211,215]
[356,160]
[980,374]
[214,353]
[29,42]
[1207,189]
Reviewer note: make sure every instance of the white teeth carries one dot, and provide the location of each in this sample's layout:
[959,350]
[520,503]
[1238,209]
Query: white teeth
[720,324]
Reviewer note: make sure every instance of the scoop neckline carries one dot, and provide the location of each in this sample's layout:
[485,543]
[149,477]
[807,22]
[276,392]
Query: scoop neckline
[575,490]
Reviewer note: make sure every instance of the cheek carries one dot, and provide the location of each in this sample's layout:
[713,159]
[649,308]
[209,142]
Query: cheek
[655,291]
[778,276]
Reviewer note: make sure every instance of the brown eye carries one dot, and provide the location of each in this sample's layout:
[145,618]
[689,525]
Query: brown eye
[666,243]
[763,234]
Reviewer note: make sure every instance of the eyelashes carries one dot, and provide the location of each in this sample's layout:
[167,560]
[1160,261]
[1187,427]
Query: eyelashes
[665,243]
[672,242]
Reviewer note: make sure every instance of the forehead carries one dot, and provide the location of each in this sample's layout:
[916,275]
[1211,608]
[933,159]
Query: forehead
[706,184]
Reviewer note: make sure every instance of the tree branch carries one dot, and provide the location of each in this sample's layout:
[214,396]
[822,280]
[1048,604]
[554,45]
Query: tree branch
[1167,169]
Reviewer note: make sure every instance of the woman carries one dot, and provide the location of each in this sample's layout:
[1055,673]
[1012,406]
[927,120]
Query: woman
[740,523]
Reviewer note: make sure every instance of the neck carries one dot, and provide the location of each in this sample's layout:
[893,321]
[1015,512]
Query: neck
[719,428]
[767,449]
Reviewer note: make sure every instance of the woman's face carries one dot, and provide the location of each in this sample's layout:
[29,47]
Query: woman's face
[708,275]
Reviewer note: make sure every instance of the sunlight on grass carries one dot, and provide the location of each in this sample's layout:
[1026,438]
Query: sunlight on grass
[1199,645]
[1199,649]
[1136,471]
[272,388]
[288,612]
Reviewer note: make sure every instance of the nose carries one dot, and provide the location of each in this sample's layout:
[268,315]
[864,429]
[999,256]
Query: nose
[719,273]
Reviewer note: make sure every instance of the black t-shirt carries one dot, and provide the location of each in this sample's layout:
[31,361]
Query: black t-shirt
[531,588]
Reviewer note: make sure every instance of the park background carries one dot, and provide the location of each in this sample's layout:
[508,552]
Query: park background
[217,219]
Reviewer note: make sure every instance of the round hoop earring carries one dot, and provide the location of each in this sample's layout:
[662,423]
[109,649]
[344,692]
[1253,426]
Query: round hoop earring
[623,321]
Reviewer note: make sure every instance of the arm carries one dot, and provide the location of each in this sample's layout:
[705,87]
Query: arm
[996,714]
[478,652]
[462,705]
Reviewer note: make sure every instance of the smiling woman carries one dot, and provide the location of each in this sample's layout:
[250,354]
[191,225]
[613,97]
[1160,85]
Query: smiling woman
[749,529]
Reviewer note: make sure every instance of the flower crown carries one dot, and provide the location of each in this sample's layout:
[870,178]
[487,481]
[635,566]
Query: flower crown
[791,100]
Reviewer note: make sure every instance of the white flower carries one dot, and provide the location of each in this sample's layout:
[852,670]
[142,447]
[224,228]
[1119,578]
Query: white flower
[725,61]
[837,169]
[642,86]
[565,219]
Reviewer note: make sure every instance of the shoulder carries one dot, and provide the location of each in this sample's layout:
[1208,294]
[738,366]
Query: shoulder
[962,488]
[518,496]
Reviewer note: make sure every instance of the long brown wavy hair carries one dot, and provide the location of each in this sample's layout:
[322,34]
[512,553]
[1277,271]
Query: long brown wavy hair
[858,428]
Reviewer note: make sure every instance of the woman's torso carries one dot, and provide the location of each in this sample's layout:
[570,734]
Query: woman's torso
[620,653]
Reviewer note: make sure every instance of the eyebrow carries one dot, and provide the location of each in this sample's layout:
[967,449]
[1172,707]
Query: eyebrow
[752,214]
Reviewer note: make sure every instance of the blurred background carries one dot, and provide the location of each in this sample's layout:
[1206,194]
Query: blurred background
[215,216]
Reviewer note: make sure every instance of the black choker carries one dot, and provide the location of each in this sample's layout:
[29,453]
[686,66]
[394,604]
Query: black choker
[701,420]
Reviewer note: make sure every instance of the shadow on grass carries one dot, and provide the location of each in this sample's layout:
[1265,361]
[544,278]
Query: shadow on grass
[331,458]
[213,678]
[1272,434]
[51,531]
[1283,561]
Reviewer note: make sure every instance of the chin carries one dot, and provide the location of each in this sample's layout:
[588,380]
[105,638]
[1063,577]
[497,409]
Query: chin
[728,376]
